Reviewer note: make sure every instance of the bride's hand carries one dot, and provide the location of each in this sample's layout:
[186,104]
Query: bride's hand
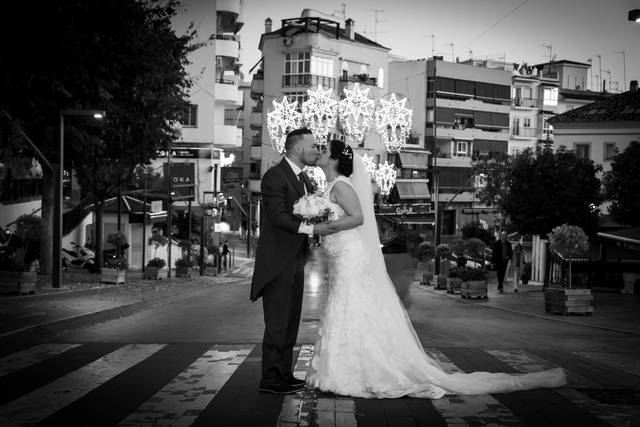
[322,229]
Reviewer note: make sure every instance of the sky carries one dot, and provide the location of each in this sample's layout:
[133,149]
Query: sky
[517,30]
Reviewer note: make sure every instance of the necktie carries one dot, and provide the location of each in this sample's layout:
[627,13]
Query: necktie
[301,179]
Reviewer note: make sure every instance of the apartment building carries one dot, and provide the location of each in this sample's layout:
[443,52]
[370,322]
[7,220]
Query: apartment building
[461,113]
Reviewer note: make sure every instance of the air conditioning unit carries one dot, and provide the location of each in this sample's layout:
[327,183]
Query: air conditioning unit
[287,41]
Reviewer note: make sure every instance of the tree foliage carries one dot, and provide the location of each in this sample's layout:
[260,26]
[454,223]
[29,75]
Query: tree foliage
[622,185]
[494,174]
[548,187]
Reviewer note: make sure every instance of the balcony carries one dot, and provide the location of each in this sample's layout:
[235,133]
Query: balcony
[255,120]
[256,152]
[229,12]
[227,93]
[306,80]
[525,133]
[226,46]
[257,86]
[472,133]
[527,103]
[447,159]
[364,79]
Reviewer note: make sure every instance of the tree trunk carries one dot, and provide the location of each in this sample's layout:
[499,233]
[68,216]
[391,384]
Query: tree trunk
[46,241]
[98,232]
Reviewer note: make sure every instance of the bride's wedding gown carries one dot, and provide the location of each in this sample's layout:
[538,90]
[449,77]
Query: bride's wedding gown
[367,346]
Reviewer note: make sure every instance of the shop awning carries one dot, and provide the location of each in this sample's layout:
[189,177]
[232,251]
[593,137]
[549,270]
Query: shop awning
[412,190]
[414,160]
[413,219]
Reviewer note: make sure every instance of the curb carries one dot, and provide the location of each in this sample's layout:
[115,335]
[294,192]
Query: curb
[537,316]
[56,326]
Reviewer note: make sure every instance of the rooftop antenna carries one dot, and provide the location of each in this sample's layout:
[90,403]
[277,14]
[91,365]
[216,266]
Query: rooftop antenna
[433,45]
[453,58]
[376,21]
[548,46]
[342,13]
[471,54]
[624,70]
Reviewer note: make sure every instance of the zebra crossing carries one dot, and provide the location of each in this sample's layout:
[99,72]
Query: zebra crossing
[184,384]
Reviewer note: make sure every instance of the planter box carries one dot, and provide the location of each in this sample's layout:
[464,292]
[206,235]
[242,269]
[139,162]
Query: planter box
[155,273]
[568,301]
[183,271]
[112,275]
[440,281]
[453,285]
[427,278]
[474,289]
[18,282]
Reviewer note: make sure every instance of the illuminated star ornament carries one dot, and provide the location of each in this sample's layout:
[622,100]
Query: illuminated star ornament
[369,163]
[386,177]
[281,120]
[226,160]
[393,122]
[320,113]
[356,112]
[316,174]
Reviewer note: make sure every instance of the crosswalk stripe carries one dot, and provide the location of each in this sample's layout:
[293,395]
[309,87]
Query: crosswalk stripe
[20,360]
[459,410]
[41,403]
[180,402]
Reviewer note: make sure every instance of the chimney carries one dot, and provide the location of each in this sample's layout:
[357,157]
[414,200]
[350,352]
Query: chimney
[634,86]
[348,28]
[267,25]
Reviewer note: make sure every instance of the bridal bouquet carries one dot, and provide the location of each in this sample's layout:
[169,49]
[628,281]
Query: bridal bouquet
[312,209]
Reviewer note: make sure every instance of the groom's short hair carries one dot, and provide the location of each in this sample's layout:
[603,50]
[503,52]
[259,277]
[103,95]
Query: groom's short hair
[294,136]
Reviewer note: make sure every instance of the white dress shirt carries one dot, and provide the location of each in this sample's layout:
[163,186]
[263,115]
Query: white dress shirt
[304,228]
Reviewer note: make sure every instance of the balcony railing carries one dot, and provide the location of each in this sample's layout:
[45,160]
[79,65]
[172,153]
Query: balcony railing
[526,132]
[308,80]
[527,102]
[359,78]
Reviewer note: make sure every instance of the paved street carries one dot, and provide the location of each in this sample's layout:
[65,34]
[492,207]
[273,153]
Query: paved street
[188,353]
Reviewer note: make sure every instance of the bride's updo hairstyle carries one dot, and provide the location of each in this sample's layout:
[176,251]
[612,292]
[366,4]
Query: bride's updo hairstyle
[343,154]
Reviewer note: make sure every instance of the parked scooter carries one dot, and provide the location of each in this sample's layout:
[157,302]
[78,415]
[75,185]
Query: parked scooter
[79,257]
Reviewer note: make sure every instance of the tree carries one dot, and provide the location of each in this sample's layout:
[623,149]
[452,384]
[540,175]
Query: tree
[548,188]
[494,174]
[622,185]
[121,56]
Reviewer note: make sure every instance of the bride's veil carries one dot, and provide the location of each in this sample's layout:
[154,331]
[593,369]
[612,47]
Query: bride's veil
[369,229]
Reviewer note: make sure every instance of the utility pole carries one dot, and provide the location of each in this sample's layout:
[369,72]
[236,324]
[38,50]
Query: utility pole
[600,89]
[548,46]
[624,71]
[453,58]
[433,45]
[376,21]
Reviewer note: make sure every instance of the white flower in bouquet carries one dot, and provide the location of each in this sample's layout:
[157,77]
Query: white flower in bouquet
[312,209]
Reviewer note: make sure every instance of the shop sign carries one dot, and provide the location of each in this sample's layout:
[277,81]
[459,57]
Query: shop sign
[405,209]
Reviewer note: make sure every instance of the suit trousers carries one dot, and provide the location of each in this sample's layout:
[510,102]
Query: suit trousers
[282,304]
[501,268]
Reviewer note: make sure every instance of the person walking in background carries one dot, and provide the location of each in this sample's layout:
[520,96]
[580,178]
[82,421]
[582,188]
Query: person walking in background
[225,253]
[502,253]
[517,261]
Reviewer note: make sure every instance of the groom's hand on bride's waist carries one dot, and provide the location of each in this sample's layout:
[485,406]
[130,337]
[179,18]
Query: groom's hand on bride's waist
[322,229]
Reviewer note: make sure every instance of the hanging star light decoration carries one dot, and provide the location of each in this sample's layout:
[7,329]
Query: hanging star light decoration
[316,175]
[356,113]
[320,113]
[386,177]
[281,120]
[370,164]
[226,160]
[393,122]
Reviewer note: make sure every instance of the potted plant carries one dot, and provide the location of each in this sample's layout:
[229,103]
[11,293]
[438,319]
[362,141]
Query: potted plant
[423,253]
[183,267]
[453,280]
[474,282]
[115,263]
[19,253]
[155,269]
[568,243]
[458,248]
[443,251]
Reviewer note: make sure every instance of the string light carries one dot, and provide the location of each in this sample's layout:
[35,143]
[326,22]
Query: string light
[370,164]
[320,113]
[281,120]
[356,113]
[316,174]
[393,122]
[386,178]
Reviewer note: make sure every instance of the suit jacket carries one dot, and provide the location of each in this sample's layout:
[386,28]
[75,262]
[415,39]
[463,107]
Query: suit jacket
[279,243]
[497,255]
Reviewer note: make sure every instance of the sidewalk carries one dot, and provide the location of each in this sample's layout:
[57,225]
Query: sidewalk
[84,300]
[612,311]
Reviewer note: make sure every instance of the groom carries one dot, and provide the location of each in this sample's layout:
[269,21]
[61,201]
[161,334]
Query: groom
[278,276]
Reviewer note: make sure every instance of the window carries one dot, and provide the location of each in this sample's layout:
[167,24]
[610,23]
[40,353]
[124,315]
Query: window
[297,63]
[526,92]
[515,128]
[321,66]
[380,77]
[610,150]
[583,150]
[461,148]
[300,97]
[190,116]
[551,96]
[526,122]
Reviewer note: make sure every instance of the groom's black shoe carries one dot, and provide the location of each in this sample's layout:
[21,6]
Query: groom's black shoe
[295,382]
[281,388]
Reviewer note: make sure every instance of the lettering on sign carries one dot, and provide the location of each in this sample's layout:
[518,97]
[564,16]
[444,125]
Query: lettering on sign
[181,179]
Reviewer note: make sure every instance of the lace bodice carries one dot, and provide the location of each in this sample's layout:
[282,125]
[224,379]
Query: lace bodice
[334,242]
[336,210]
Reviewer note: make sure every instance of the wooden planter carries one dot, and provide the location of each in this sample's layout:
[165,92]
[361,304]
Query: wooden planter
[112,275]
[427,278]
[18,282]
[568,301]
[453,285]
[474,289]
[155,273]
[182,271]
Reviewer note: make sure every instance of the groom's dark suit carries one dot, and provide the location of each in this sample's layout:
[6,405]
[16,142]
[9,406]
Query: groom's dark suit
[278,276]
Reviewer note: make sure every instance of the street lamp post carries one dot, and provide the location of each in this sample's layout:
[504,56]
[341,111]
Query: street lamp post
[56,265]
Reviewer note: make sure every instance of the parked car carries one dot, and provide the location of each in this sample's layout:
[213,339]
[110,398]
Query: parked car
[79,257]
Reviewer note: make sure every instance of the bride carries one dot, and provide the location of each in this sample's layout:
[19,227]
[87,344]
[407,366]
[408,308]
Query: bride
[367,346]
